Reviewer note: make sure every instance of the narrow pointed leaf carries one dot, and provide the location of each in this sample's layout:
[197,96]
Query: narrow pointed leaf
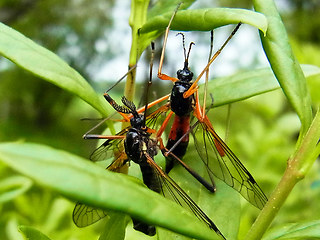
[198,20]
[206,19]
[46,65]
[284,64]
[12,187]
[247,84]
[84,181]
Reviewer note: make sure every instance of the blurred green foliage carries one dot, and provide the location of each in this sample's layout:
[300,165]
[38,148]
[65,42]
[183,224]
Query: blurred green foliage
[33,110]
[263,129]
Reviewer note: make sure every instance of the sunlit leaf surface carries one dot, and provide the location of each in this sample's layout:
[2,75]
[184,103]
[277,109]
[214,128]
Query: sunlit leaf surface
[84,181]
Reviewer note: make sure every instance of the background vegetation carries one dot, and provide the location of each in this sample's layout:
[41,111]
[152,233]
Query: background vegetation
[263,129]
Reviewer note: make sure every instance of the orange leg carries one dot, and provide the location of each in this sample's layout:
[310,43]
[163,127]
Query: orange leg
[164,125]
[140,110]
[197,110]
[194,85]
[97,136]
[203,119]
[218,142]
[160,74]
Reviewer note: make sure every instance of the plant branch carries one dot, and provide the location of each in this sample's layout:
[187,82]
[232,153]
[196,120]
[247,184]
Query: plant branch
[137,18]
[298,166]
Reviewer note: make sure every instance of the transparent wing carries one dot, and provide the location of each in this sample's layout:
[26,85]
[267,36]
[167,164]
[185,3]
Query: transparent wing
[84,215]
[170,189]
[221,162]
[154,118]
[109,148]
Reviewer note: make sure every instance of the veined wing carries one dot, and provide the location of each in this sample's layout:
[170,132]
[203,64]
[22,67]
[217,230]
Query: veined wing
[221,162]
[154,118]
[170,189]
[84,215]
[109,148]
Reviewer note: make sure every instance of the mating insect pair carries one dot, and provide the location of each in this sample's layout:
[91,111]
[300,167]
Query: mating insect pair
[135,143]
[141,147]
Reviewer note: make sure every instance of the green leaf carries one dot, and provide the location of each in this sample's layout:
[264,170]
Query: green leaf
[12,187]
[284,64]
[198,20]
[206,19]
[223,207]
[168,6]
[46,65]
[30,233]
[84,181]
[304,230]
[115,227]
[247,84]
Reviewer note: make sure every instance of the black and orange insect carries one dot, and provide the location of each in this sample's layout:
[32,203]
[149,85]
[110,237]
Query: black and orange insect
[217,157]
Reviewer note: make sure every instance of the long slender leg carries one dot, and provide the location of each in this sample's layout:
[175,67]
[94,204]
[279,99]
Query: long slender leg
[159,100]
[160,74]
[194,85]
[98,136]
[116,83]
[207,77]
[164,125]
[166,153]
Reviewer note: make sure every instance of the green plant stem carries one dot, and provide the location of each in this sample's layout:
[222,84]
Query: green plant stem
[137,18]
[293,83]
[298,166]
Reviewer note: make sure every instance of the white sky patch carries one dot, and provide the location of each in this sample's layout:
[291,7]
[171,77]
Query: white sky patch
[118,41]
[244,51]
